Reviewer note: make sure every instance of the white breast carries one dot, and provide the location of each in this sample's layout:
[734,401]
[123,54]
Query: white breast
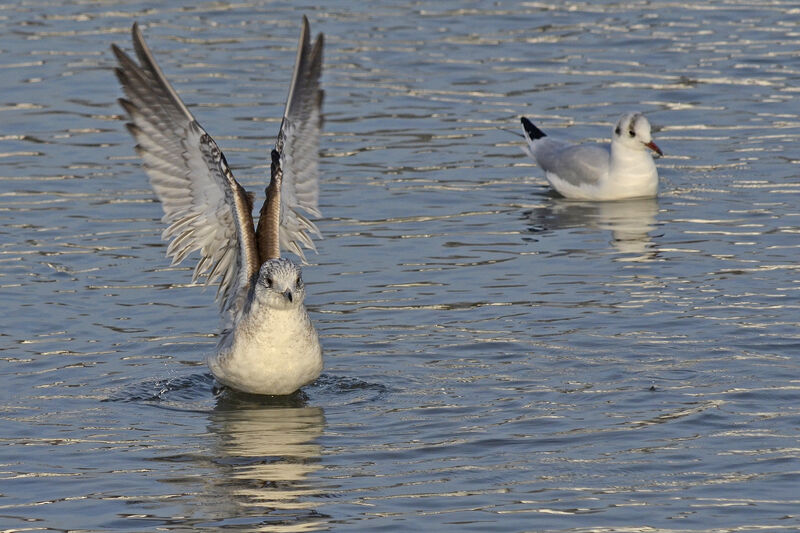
[275,351]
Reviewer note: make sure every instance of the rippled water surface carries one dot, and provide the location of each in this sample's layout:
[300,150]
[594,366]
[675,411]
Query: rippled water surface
[497,359]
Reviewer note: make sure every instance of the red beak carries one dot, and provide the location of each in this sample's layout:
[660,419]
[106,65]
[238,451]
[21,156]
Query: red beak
[654,148]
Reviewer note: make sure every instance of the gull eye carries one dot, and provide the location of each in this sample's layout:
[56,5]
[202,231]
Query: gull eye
[632,133]
[298,281]
[269,281]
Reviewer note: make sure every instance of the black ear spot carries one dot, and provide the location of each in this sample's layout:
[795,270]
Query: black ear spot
[617,131]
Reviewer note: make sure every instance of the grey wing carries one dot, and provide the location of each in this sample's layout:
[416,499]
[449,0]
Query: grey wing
[206,209]
[298,148]
[576,164]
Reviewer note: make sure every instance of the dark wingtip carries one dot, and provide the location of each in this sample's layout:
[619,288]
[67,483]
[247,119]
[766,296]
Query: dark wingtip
[132,129]
[275,167]
[127,105]
[118,53]
[531,131]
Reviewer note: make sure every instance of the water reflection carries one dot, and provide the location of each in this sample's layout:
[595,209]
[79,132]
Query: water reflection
[630,222]
[266,453]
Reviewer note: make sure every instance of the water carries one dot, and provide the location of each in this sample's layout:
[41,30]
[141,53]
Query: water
[496,358]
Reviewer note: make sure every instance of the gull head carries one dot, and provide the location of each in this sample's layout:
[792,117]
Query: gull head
[633,131]
[280,284]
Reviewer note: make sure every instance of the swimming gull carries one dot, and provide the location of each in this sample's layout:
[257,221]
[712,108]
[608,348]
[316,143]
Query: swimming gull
[598,172]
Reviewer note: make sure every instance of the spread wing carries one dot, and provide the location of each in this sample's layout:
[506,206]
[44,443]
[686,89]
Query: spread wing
[295,159]
[206,209]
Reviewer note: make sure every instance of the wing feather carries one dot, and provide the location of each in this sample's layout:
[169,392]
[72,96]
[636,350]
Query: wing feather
[298,149]
[205,208]
[580,164]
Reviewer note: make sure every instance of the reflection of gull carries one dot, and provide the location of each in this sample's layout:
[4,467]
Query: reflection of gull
[598,172]
[629,221]
[268,453]
[269,345]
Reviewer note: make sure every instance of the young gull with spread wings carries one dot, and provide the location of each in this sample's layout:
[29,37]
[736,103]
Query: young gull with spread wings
[268,344]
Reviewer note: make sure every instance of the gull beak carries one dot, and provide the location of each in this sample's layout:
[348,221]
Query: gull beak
[288,294]
[654,148]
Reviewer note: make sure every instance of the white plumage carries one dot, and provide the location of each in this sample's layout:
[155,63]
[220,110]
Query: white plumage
[598,172]
[272,348]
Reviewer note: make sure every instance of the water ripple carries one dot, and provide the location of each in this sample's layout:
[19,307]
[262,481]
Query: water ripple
[494,354]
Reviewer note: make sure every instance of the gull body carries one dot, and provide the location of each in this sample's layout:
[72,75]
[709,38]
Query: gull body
[268,344]
[284,355]
[623,169]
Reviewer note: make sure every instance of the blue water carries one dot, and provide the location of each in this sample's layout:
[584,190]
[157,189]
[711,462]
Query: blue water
[497,359]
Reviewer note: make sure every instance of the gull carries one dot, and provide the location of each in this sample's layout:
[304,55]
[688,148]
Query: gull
[598,172]
[268,344]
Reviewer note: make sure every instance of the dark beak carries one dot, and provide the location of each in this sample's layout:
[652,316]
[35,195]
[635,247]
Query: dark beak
[654,148]
[288,295]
